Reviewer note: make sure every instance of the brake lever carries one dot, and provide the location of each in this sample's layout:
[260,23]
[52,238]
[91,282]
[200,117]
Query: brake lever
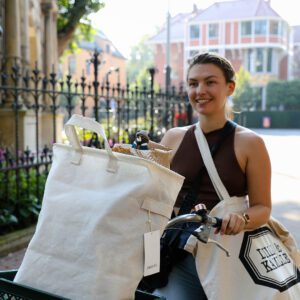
[203,236]
[203,233]
[220,246]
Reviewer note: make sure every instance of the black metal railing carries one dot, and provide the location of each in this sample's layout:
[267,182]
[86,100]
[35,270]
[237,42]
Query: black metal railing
[121,110]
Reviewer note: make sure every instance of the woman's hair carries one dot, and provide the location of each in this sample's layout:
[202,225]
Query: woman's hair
[215,59]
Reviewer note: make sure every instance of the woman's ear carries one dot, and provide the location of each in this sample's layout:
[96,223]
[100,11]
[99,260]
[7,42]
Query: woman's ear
[231,88]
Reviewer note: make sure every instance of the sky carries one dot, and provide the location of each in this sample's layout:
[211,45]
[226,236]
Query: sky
[125,22]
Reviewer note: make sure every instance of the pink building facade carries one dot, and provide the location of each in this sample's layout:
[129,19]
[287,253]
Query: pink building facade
[248,32]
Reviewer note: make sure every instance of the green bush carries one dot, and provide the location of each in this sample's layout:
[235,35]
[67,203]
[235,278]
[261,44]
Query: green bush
[20,208]
[278,119]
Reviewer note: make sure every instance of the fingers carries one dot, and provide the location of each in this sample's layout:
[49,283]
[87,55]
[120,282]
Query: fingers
[232,224]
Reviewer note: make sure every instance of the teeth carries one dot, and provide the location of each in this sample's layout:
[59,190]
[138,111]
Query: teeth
[202,101]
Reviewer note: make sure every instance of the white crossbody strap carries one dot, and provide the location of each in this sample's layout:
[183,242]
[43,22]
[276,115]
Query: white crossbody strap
[209,164]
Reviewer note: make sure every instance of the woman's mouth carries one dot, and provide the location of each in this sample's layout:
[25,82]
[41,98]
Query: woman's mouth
[202,101]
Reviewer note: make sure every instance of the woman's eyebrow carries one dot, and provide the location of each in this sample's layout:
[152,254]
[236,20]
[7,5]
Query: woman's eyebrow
[205,78]
[210,77]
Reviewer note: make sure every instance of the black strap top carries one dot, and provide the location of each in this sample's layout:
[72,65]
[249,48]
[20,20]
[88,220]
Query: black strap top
[188,161]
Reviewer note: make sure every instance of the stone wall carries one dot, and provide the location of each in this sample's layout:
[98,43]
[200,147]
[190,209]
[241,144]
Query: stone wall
[29,39]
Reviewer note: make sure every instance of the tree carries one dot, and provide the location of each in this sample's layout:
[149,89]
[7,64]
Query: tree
[284,94]
[73,20]
[243,95]
[141,58]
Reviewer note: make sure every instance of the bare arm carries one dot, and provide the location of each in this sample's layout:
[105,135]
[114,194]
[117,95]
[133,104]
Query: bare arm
[254,159]
[171,139]
[258,171]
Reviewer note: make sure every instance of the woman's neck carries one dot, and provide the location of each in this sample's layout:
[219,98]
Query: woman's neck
[211,123]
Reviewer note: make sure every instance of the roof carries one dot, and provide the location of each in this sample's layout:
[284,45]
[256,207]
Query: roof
[89,45]
[238,9]
[177,28]
[225,10]
[296,35]
[95,44]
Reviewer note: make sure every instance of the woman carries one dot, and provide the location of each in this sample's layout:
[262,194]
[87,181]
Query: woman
[242,162]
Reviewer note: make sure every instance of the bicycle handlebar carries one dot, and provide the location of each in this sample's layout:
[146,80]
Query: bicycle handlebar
[201,217]
[198,218]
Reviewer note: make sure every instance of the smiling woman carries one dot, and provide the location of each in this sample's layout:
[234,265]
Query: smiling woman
[208,89]
[242,163]
[216,73]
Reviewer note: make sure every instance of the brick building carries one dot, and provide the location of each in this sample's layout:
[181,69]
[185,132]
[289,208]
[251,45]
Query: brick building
[296,52]
[177,48]
[248,32]
[112,67]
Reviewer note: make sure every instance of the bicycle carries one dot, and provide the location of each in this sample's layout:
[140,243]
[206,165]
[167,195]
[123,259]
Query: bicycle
[10,290]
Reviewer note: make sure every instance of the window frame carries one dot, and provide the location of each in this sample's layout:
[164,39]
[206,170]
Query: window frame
[259,68]
[270,27]
[192,28]
[216,26]
[192,53]
[256,22]
[251,28]
[269,60]
[72,64]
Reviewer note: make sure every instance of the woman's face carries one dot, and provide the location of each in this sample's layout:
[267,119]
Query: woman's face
[208,89]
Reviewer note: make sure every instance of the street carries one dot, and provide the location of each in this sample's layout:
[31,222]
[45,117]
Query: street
[284,148]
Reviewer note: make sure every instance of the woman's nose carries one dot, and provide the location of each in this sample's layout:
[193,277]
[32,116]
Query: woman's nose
[200,89]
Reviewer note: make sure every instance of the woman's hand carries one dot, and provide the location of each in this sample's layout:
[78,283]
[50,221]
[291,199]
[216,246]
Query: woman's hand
[233,223]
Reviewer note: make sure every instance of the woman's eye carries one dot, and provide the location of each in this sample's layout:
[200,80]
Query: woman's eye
[210,82]
[193,84]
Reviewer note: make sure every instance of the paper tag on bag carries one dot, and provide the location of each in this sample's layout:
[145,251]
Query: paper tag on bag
[152,252]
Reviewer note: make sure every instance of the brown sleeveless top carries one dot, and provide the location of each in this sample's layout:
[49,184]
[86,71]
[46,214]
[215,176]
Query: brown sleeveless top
[188,161]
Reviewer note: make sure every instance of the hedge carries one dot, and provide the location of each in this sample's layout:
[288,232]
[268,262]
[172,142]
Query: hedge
[269,119]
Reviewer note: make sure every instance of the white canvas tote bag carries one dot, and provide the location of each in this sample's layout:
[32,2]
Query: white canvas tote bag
[260,267]
[97,205]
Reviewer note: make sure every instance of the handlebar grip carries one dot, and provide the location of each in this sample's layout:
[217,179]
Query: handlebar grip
[218,223]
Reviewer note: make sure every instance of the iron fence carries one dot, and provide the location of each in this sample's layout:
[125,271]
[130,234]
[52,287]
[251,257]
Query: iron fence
[121,110]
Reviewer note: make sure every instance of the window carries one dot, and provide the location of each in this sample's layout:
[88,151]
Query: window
[269,60]
[246,28]
[72,64]
[274,27]
[260,27]
[249,60]
[194,32]
[213,30]
[88,66]
[174,75]
[107,48]
[259,60]
[193,53]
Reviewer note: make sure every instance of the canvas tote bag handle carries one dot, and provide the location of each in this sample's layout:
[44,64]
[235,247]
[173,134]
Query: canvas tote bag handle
[209,164]
[92,125]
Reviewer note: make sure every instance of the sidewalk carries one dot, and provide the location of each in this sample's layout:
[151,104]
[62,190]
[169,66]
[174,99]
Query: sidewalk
[12,260]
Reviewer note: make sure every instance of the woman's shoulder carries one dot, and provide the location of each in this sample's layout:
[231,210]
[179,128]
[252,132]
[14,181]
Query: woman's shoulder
[179,130]
[174,136]
[248,138]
